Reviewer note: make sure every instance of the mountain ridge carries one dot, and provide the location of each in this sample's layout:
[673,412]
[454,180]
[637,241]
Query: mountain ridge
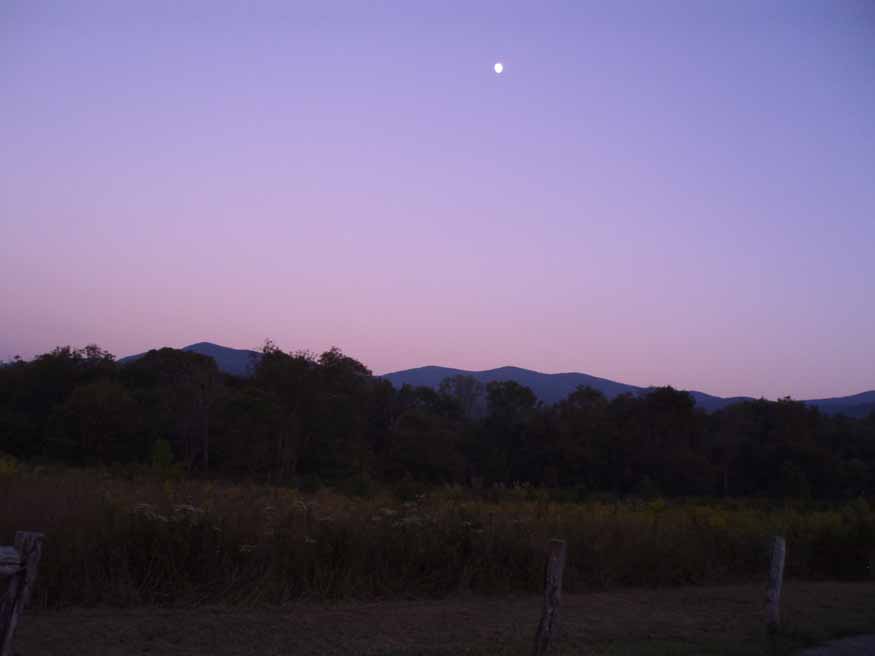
[549,388]
[238,362]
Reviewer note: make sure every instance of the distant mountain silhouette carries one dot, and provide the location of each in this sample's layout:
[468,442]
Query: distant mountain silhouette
[549,388]
[238,362]
[858,405]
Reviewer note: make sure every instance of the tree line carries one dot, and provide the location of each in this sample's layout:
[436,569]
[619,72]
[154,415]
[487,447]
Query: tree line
[308,419]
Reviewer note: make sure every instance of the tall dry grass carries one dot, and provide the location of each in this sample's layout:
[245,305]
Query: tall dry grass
[118,540]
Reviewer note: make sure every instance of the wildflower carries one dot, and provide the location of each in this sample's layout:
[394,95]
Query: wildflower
[185,508]
[148,511]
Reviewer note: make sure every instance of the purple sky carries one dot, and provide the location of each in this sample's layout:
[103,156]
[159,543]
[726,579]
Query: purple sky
[654,192]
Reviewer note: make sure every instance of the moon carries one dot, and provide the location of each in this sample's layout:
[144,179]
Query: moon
[498,68]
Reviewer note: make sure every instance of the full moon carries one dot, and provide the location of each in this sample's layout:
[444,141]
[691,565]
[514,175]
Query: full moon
[499,67]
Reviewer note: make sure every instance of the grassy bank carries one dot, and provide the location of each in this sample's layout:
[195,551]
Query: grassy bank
[128,541]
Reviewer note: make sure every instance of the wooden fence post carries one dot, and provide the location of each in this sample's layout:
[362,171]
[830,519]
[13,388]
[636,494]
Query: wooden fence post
[29,548]
[773,594]
[552,594]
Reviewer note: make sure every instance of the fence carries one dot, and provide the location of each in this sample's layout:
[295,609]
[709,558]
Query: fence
[18,566]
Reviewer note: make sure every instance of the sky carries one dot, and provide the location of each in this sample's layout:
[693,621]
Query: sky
[654,192]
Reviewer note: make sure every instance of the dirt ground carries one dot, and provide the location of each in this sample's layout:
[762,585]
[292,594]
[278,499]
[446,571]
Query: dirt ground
[847,647]
[702,621]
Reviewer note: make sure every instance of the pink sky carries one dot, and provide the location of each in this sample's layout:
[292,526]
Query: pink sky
[676,195]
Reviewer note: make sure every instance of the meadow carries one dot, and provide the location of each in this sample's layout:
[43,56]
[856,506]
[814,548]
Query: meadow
[133,537]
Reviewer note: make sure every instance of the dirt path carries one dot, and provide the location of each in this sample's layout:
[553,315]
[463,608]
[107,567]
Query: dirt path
[702,621]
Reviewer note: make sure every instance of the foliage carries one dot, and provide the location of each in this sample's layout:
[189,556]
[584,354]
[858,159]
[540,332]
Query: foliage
[303,416]
[8,465]
[141,539]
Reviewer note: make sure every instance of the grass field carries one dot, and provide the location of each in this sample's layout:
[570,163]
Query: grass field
[142,564]
[129,541]
[712,621]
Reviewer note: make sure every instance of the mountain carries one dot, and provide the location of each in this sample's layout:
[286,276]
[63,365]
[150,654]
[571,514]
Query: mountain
[238,362]
[549,388]
[858,405]
[711,403]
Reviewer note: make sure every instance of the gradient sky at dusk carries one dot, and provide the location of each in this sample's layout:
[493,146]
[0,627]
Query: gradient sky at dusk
[654,192]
